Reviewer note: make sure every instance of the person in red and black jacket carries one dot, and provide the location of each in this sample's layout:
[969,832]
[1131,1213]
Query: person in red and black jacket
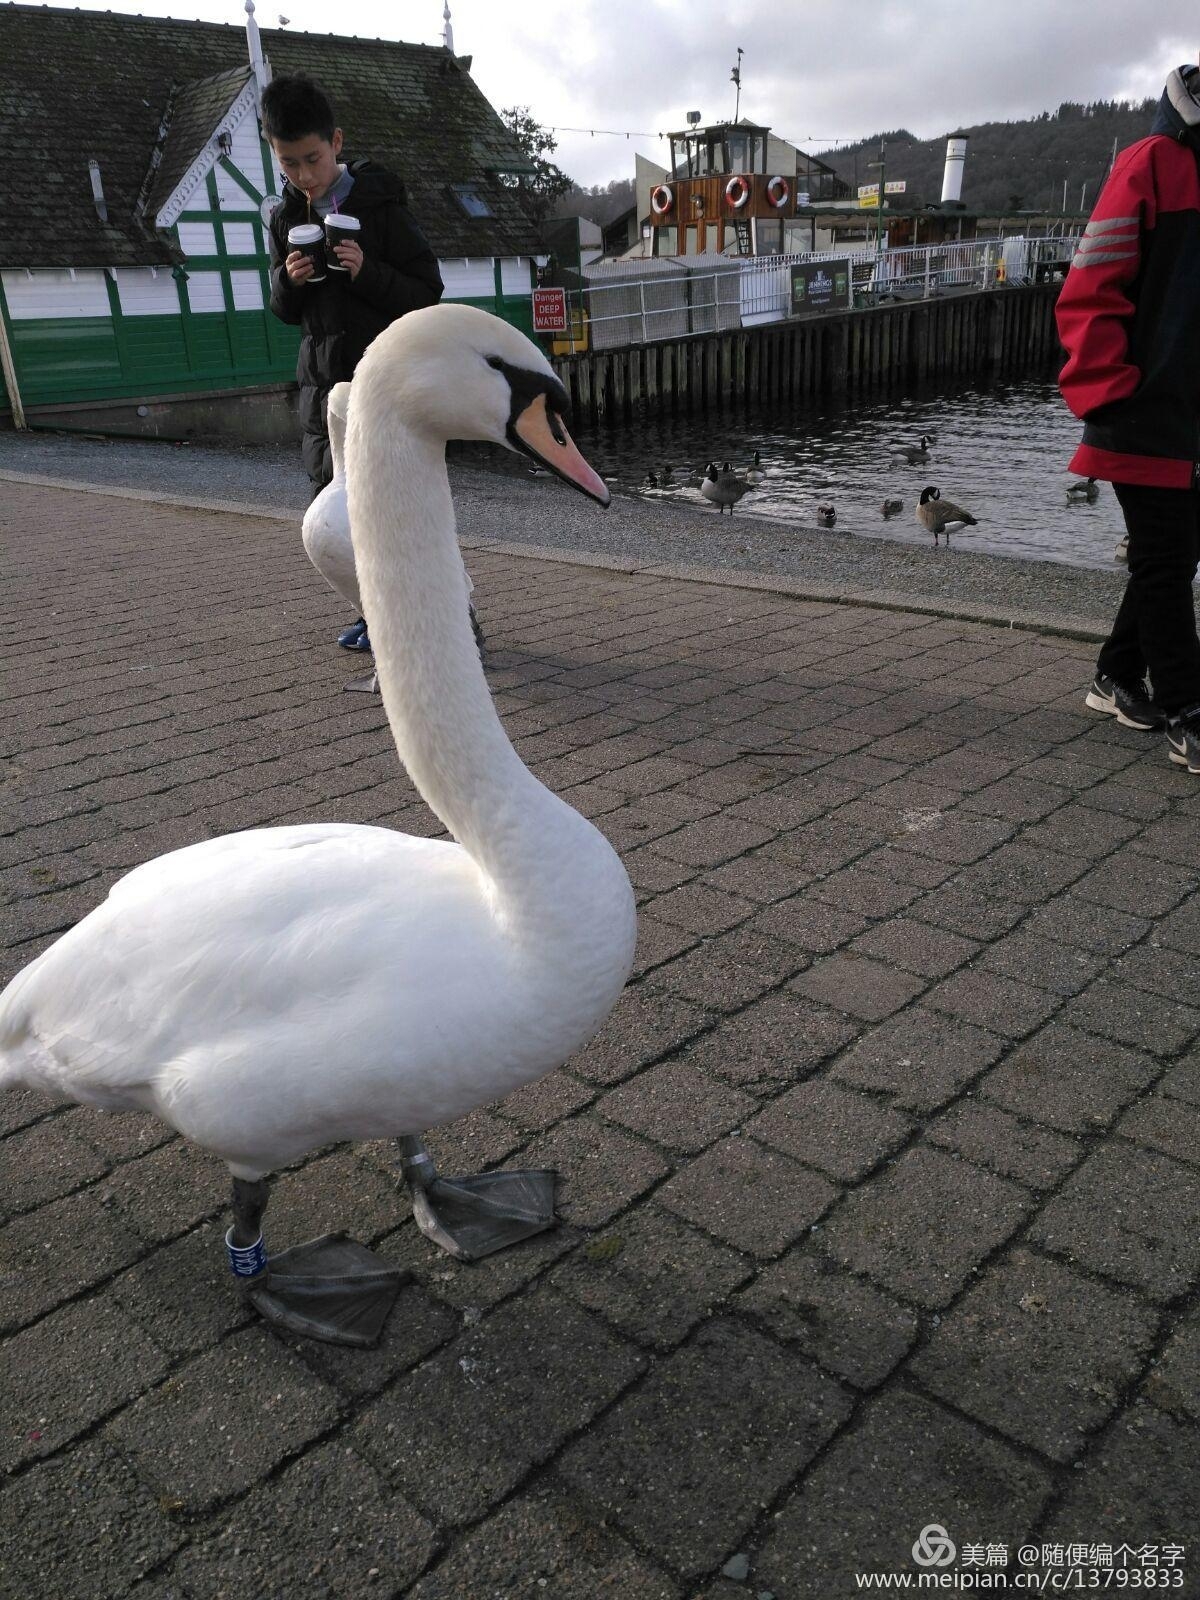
[1129,320]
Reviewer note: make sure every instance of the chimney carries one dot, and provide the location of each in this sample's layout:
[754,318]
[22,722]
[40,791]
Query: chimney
[262,72]
[98,191]
[952,177]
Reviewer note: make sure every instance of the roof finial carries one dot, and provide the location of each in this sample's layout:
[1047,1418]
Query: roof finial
[262,72]
[447,31]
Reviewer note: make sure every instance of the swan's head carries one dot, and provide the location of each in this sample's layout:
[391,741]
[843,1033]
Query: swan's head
[455,372]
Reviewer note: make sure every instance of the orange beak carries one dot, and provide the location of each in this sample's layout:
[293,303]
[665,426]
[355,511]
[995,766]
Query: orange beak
[539,433]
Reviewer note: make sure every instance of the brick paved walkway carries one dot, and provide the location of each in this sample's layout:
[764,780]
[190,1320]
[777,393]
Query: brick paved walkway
[881,1189]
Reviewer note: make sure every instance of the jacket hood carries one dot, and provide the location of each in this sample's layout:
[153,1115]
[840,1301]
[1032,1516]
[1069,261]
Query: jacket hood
[1178,114]
[372,185]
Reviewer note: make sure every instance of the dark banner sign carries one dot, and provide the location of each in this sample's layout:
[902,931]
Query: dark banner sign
[820,286]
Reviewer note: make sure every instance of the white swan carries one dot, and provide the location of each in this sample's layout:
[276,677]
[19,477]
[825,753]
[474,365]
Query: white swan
[326,528]
[217,986]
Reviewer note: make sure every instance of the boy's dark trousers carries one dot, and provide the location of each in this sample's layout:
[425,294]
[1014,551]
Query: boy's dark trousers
[1155,627]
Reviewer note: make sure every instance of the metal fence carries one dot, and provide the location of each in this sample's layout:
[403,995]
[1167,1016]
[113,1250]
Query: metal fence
[637,302]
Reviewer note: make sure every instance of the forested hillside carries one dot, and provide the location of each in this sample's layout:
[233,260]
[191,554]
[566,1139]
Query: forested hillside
[1011,166]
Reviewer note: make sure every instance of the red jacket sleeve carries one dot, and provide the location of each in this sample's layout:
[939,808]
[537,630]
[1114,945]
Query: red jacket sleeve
[1094,311]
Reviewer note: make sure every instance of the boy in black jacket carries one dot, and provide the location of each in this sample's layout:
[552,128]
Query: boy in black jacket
[389,271]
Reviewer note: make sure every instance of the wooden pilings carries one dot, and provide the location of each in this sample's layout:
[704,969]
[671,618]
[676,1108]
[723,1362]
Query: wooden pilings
[847,355]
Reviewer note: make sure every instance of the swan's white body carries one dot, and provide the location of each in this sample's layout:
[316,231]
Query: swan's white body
[326,528]
[272,991]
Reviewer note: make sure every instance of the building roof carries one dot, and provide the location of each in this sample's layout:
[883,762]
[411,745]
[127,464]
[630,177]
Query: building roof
[191,114]
[93,85]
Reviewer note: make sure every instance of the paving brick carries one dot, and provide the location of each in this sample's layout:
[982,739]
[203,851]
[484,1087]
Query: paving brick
[677,1106]
[1136,884]
[545,1541]
[646,1023]
[719,1427]
[1020,874]
[1038,1352]
[1182,1080]
[44,1161]
[81,1526]
[600,1170]
[658,942]
[754,1199]
[975,915]
[1148,1022]
[163,1194]
[1173,1385]
[700,909]
[855,984]
[539,1105]
[915,946]
[325,1525]
[459,1433]
[992,1138]
[905,1457]
[1063,969]
[923,1226]
[1068,1080]
[1131,1490]
[1162,1123]
[772,1043]
[989,1000]
[1159,970]
[51,1255]
[807,924]
[851,1328]
[838,1131]
[712,975]
[756,877]
[70,1370]
[921,1058]
[1129,1215]
[650,1276]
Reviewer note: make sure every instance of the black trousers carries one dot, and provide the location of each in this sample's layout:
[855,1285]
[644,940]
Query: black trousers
[1155,629]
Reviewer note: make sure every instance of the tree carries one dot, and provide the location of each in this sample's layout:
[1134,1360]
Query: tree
[546,182]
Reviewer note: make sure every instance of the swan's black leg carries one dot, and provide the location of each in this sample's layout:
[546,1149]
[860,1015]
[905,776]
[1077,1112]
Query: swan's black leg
[330,1288]
[472,1217]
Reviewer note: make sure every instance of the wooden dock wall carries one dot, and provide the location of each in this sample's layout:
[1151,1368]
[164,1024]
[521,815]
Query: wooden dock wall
[1001,331]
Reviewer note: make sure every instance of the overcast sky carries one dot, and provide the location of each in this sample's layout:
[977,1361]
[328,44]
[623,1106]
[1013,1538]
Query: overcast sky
[817,72]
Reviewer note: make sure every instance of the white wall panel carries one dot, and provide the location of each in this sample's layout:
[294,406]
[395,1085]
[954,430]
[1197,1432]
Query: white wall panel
[144,295]
[197,238]
[514,274]
[204,291]
[53,294]
[468,279]
[247,291]
[239,238]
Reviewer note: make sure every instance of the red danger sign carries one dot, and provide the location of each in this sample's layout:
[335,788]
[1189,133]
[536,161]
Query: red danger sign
[549,311]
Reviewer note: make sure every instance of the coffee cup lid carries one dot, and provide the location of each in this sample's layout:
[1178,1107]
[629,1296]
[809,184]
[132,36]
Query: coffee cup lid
[342,219]
[304,233]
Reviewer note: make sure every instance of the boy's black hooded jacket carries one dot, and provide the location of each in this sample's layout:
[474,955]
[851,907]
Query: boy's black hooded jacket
[399,273]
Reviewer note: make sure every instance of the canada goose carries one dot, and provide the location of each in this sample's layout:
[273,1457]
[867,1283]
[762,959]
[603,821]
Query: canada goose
[939,515]
[826,516]
[914,454]
[723,488]
[652,479]
[218,985]
[892,508]
[755,473]
[1079,490]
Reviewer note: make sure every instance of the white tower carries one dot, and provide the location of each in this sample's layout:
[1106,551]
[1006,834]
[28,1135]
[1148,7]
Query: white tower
[952,177]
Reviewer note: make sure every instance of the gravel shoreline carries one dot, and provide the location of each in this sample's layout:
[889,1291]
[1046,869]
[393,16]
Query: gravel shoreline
[499,502]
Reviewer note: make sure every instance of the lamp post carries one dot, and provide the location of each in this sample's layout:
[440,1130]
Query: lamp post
[881,164]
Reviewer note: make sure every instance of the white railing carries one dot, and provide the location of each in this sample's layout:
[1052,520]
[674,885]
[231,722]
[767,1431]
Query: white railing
[637,302]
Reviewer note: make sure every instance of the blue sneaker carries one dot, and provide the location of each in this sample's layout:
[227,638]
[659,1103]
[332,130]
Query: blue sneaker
[355,636]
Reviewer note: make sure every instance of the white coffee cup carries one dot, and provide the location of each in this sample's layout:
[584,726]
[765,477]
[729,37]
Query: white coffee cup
[309,237]
[340,228]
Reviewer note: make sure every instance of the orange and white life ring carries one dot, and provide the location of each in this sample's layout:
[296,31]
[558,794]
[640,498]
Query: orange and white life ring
[779,192]
[661,200]
[737,191]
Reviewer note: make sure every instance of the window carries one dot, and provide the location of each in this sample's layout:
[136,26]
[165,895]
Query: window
[470,199]
[769,235]
[739,152]
[691,239]
[665,240]
[712,237]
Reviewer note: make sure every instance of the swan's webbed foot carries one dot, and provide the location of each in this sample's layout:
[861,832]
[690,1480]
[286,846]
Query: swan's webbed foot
[331,1288]
[473,1217]
[362,685]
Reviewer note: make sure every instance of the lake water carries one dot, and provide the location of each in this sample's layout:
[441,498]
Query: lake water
[1001,453]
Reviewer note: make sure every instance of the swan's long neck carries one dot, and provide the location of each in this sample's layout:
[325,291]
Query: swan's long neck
[436,697]
[337,439]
